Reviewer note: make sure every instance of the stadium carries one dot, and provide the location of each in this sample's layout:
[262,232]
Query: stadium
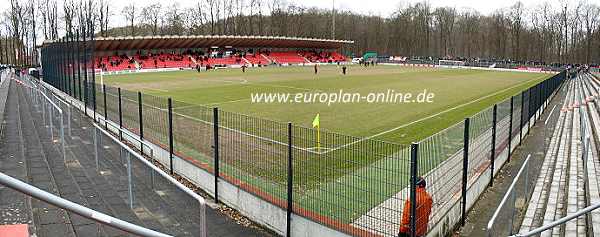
[264,135]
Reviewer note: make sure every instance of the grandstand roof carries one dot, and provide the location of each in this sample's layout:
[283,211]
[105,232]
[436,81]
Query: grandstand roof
[206,41]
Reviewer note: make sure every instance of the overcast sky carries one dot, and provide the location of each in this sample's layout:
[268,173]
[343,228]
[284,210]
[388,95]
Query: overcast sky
[383,7]
[376,7]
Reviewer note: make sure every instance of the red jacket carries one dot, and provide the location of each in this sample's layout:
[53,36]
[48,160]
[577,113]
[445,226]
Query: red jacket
[424,203]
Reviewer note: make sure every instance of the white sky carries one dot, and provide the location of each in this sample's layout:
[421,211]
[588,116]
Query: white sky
[376,7]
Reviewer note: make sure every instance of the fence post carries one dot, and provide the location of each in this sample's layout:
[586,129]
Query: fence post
[96,148]
[493,155]
[414,149]
[530,107]
[171,135]
[105,111]
[94,97]
[51,116]
[141,119]
[465,171]
[289,182]
[510,126]
[120,116]
[521,120]
[216,150]
[129,178]
[79,66]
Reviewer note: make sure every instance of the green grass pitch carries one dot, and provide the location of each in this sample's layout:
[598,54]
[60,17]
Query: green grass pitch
[329,186]
[459,93]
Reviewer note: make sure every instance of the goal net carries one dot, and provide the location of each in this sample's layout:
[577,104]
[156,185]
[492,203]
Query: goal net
[451,63]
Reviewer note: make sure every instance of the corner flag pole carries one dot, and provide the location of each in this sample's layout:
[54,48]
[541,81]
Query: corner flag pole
[319,138]
[317,124]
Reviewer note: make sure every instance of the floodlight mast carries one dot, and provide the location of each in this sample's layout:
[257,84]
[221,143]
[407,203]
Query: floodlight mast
[333,21]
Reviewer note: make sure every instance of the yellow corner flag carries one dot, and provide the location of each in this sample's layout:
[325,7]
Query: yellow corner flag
[317,124]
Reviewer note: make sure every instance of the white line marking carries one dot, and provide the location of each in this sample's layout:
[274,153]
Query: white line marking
[155,89]
[431,116]
[549,115]
[225,102]
[243,81]
[186,106]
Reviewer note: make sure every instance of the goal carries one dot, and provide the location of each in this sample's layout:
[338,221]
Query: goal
[451,63]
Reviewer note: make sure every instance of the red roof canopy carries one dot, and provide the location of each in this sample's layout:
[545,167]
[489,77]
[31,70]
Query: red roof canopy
[207,41]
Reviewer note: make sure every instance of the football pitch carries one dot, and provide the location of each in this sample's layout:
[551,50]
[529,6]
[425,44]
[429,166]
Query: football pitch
[458,93]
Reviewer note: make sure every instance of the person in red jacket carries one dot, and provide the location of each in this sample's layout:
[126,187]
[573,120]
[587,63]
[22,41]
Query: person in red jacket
[424,203]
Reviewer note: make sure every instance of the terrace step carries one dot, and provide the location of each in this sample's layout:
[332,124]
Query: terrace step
[561,186]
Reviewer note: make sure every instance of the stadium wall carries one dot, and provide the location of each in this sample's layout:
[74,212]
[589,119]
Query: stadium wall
[535,70]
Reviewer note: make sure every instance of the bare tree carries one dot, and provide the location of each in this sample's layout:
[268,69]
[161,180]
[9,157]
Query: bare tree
[591,22]
[103,16]
[130,14]
[151,16]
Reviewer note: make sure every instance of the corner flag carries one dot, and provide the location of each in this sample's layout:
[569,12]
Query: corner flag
[317,124]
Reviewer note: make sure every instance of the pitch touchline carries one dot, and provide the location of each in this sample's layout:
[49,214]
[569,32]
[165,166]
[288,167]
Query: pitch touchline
[155,89]
[225,102]
[428,117]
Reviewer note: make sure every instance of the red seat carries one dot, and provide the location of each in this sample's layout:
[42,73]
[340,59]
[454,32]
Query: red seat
[286,57]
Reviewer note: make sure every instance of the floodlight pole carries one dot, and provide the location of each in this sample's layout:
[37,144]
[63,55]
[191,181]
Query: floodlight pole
[333,21]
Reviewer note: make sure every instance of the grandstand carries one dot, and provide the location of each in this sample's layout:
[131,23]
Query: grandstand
[138,53]
[568,181]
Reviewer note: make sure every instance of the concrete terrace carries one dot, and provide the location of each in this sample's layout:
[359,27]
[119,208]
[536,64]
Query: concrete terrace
[563,186]
[559,181]
[29,154]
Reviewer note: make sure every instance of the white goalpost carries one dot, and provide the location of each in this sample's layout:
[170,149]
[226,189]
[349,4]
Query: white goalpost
[99,71]
[451,63]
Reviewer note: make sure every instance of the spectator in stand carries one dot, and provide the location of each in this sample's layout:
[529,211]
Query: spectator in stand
[424,203]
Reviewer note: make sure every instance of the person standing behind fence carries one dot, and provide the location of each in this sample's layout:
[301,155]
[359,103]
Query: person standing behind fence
[424,203]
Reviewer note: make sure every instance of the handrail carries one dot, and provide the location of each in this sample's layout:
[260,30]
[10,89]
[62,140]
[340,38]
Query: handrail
[51,102]
[161,172]
[52,199]
[60,100]
[62,129]
[69,111]
[559,221]
[508,192]
[127,132]
[146,162]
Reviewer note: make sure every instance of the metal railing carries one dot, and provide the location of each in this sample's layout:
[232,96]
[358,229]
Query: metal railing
[170,189]
[68,110]
[48,104]
[128,151]
[560,221]
[52,199]
[144,146]
[513,199]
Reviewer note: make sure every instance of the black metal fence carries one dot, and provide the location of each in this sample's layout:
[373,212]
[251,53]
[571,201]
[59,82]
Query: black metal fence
[354,185]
